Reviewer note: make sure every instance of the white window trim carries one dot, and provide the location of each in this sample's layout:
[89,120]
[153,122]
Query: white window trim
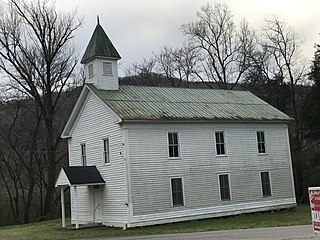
[230,192]
[103,74]
[265,141]
[102,147]
[90,76]
[225,143]
[183,195]
[86,154]
[179,145]
[271,191]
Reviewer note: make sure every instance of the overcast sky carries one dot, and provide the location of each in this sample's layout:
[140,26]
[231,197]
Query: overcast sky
[139,27]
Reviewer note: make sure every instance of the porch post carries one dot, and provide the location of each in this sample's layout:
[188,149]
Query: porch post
[76,205]
[63,216]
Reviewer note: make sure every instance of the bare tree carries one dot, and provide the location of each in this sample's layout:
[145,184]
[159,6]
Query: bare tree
[179,64]
[283,46]
[37,56]
[144,73]
[19,141]
[164,64]
[225,49]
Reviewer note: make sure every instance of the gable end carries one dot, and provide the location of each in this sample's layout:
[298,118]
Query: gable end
[77,110]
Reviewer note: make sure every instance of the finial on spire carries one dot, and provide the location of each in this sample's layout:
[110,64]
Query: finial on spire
[98,19]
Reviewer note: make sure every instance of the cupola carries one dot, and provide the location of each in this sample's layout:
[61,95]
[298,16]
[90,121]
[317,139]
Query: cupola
[100,61]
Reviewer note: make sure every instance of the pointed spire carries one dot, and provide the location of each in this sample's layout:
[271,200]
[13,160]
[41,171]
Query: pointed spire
[100,46]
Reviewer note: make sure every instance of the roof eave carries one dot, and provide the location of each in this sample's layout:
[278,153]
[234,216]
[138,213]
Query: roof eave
[68,128]
[205,121]
[99,56]
[87,184]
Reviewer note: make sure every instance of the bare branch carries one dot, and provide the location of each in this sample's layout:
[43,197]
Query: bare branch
[225,48]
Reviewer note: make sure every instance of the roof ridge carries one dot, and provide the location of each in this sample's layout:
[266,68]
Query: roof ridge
[185,88]
[156,101]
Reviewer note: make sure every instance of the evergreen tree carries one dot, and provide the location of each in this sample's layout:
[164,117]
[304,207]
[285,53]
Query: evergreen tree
[311,107]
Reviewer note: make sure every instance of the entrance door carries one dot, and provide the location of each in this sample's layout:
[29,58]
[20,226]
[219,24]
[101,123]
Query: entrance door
[96,204]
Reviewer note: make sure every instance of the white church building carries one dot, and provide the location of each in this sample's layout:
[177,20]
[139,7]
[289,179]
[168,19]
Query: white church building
[142,155]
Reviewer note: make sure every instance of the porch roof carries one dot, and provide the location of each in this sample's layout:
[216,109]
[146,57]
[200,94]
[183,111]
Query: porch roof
[79,175]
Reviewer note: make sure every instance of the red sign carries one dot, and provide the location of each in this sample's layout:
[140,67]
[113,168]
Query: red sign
[314,198]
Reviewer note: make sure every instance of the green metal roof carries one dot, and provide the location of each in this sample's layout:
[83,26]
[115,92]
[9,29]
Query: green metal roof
[186,104]
[99,46]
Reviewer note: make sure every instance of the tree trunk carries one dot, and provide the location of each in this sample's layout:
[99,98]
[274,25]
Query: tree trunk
[51,165]
[31,184]
[27,205]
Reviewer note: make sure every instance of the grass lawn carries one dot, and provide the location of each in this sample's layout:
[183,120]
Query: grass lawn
[52,230]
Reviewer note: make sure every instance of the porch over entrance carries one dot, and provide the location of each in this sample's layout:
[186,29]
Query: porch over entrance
[73,177]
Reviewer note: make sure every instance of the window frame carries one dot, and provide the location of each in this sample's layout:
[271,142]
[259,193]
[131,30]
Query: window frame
[182,190]
[264,142]
[90,70]
[83,154]
[173,145]
[106,150]
[229,187]
[105,73]
[270,184]
[224,143]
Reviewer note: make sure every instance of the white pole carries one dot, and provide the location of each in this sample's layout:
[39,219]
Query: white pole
[76,205]
[63,216]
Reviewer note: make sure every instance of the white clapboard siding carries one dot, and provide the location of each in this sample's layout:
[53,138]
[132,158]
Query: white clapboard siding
[84,205]
[95,123]
[62,179]
[150,169]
